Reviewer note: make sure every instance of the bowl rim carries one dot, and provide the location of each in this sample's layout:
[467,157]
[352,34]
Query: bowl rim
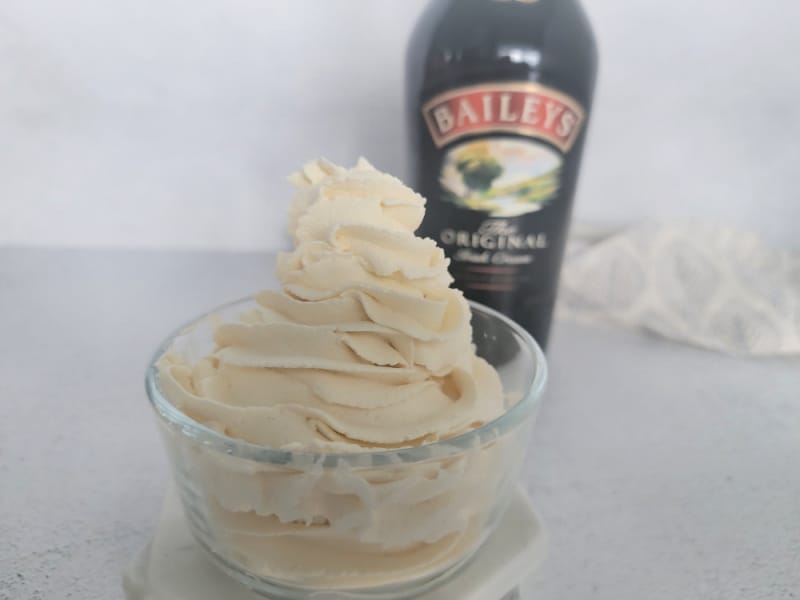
[172,416]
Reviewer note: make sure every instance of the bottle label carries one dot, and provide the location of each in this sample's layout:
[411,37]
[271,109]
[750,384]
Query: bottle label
[499,182]
[523,108]
[508,221]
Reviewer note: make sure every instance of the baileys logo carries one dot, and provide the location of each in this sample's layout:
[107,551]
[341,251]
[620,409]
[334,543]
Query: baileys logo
[523,108]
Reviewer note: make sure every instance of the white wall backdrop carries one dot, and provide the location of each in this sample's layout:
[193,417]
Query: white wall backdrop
[174,123]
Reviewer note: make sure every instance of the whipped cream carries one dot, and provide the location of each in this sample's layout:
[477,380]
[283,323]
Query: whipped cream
[366,346]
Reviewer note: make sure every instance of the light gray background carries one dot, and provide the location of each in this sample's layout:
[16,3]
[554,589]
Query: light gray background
[662,472]
[174,123]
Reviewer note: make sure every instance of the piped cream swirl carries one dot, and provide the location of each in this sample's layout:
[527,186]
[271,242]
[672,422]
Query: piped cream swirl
[365,347]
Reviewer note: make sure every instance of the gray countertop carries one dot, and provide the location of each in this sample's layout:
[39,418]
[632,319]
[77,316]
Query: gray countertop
[662,472]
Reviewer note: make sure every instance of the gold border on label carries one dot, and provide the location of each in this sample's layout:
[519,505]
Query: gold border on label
[526,130]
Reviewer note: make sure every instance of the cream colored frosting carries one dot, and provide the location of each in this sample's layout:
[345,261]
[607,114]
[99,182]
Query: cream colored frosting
[365,347]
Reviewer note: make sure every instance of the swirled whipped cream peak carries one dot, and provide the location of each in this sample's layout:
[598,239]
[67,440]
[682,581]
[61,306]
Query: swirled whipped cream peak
[365,347]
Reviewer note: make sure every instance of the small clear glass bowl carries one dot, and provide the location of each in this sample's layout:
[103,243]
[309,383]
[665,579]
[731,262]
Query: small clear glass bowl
[368,525]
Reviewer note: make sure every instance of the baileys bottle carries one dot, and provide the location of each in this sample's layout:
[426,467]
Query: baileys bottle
[498,96]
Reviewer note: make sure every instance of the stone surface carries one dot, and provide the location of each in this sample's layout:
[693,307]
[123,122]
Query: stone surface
[661,471]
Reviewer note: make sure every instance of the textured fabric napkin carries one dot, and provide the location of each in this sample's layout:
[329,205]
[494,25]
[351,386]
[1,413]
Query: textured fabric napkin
[707,285]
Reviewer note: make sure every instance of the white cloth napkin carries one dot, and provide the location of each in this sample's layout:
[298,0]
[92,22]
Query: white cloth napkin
[707,285]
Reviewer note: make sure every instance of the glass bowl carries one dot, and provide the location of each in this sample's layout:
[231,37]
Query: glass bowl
[366,525]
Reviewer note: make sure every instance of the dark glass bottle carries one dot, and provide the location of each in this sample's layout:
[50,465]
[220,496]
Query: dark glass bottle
[498,96]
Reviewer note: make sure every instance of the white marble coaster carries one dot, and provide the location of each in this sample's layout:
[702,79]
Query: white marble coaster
[173,567]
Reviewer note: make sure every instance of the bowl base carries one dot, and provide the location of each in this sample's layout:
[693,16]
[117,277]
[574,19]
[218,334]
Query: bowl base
[173,566]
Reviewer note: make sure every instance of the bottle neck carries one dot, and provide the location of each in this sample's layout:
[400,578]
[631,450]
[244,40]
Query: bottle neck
[545,41]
